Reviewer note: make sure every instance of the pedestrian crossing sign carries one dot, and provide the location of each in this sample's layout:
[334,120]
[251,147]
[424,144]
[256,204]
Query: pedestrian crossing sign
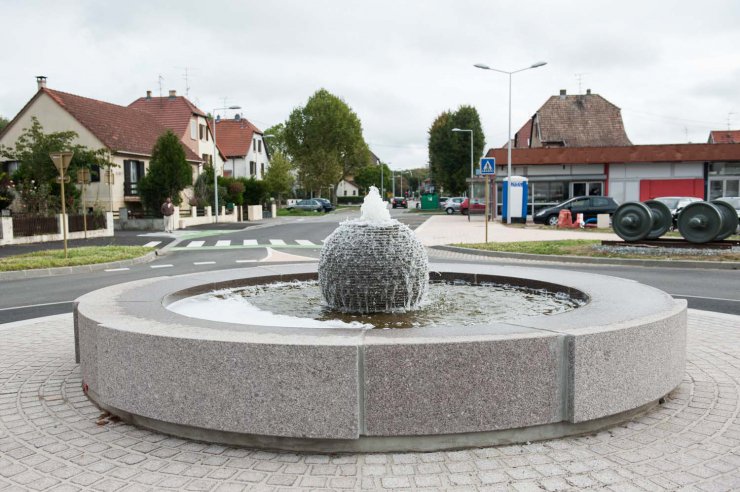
[488,166]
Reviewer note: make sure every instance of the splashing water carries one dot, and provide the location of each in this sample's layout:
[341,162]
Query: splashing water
[373,264]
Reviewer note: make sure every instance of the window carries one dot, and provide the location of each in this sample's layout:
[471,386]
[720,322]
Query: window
[133,171]
[202,132]
[259,145]
[254,145]
[354,192]
[95,174]
[345,192]
[252,168]
[193,129]
[9,167]
[599,202]
[262,170]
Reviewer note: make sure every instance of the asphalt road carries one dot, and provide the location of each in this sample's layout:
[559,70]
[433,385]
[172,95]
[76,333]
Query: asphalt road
[296,238]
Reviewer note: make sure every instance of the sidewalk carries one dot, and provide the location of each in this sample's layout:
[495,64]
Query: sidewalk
[451,229]
[53,438]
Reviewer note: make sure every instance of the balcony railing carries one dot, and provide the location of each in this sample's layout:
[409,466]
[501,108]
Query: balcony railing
[130,188]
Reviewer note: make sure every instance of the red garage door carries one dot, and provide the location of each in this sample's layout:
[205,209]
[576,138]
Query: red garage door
[652,188]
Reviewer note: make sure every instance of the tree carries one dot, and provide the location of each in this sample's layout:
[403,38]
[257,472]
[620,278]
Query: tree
[255,191]
[370,175]
[324,138]
[279,177]
[275,140]
[36,171]
[169,173]
[449,152]
[3,123]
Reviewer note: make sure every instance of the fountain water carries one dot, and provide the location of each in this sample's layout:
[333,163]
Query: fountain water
[373,264]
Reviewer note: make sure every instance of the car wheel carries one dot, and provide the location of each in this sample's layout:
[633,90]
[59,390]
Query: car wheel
[450,210]
[552,220]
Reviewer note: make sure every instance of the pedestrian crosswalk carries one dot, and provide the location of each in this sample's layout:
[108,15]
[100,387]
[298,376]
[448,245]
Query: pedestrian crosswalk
[248,243]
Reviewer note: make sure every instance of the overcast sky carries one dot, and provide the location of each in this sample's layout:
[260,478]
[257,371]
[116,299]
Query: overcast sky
[672,66]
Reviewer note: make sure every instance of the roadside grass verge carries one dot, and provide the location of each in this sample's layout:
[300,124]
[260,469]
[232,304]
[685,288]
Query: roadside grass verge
[587,247]
[87,255]
[284,212]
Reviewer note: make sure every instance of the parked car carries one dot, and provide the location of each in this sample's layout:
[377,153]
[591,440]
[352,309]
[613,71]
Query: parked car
[735,202]
[399,201]
[442,201]
[452,205]
[328,207]
[310,204]
[589,206]
[676,204]
[479,206]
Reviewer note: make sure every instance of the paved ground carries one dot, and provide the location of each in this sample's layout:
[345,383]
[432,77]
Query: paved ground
[52,438]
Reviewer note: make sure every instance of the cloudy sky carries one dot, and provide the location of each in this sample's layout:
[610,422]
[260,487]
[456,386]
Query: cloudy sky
[672,66]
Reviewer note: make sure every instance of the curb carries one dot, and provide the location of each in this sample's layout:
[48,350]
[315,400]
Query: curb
[713,265]
[53,272]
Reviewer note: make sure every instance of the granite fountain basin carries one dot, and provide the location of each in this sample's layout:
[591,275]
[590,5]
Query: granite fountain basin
[349,390]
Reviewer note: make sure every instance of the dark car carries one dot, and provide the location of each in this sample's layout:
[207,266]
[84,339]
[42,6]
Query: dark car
[328,207]
[399,201]
[589,206]
[308,204]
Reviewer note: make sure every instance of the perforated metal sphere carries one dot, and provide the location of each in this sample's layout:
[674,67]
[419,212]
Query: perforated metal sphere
[370,268]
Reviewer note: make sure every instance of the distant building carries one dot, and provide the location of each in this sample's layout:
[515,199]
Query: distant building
[347,187]
[244,148]
[577,145]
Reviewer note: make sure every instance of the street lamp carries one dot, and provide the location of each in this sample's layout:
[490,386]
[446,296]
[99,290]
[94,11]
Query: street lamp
[508,170]
[472,174]
[215,174]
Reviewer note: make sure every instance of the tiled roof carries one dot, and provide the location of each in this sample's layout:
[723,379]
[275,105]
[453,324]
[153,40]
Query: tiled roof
[235,136]
[521,138]
[171,112]
[724,136]
[580,121]
[120,128]
[620,154]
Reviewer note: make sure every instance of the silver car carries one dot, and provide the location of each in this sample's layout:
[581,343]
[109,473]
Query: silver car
[452,205]
[309,204]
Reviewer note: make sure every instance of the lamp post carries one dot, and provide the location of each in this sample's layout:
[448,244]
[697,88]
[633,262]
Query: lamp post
[472,172]
[215,174]
[508,169]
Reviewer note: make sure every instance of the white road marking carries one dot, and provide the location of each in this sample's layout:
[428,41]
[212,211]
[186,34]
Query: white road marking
[710,298]
[250,242]
[36,305]
[304,242]
[204,263]
[151,244]
[195,244]
[224,242]
[116,269]
[161,266]
[277,242]
[246,261]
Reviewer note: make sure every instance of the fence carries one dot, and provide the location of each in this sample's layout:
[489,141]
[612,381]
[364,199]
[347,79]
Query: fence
[94,222]
[25,225]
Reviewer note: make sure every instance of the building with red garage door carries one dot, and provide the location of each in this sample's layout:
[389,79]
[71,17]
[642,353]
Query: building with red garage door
[577,145]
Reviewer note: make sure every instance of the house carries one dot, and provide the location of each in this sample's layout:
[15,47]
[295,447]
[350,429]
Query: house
[243,147]
[347,187]
[724,136]
[127,133]
[577,145]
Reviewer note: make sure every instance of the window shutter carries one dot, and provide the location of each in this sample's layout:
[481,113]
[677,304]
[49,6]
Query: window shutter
[127,171]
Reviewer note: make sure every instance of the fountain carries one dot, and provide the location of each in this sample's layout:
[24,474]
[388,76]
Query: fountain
[294,383]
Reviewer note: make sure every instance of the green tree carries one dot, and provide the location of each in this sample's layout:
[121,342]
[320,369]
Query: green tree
[275,139]
[255,191]
[169,173]
[36,170]
[324,139]
[279,177]
[449,152]
[370,175]
[3,123]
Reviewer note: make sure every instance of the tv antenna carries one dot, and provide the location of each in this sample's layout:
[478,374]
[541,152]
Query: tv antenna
[159,80]
[187,75]
[579,78]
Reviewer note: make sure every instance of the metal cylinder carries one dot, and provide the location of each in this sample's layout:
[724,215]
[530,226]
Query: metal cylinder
[701,222]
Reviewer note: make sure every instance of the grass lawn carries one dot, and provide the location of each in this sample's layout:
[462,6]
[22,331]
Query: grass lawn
[76,256]
[585,247]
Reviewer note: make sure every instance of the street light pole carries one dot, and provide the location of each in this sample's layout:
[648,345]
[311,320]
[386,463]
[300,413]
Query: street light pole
[508,169]
[472,171]
[215,173]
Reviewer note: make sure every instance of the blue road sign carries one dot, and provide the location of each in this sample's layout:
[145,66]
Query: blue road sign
[488,166]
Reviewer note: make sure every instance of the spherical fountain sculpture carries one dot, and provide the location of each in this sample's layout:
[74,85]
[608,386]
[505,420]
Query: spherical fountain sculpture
[373,264]
[345,388]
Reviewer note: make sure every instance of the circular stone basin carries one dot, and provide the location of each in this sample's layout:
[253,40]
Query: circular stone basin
[441,386]
[451,303]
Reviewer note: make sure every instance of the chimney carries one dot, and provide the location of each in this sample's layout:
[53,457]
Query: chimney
[41,81]
[148,94]
[588,92]
[173,93]
[562,93]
